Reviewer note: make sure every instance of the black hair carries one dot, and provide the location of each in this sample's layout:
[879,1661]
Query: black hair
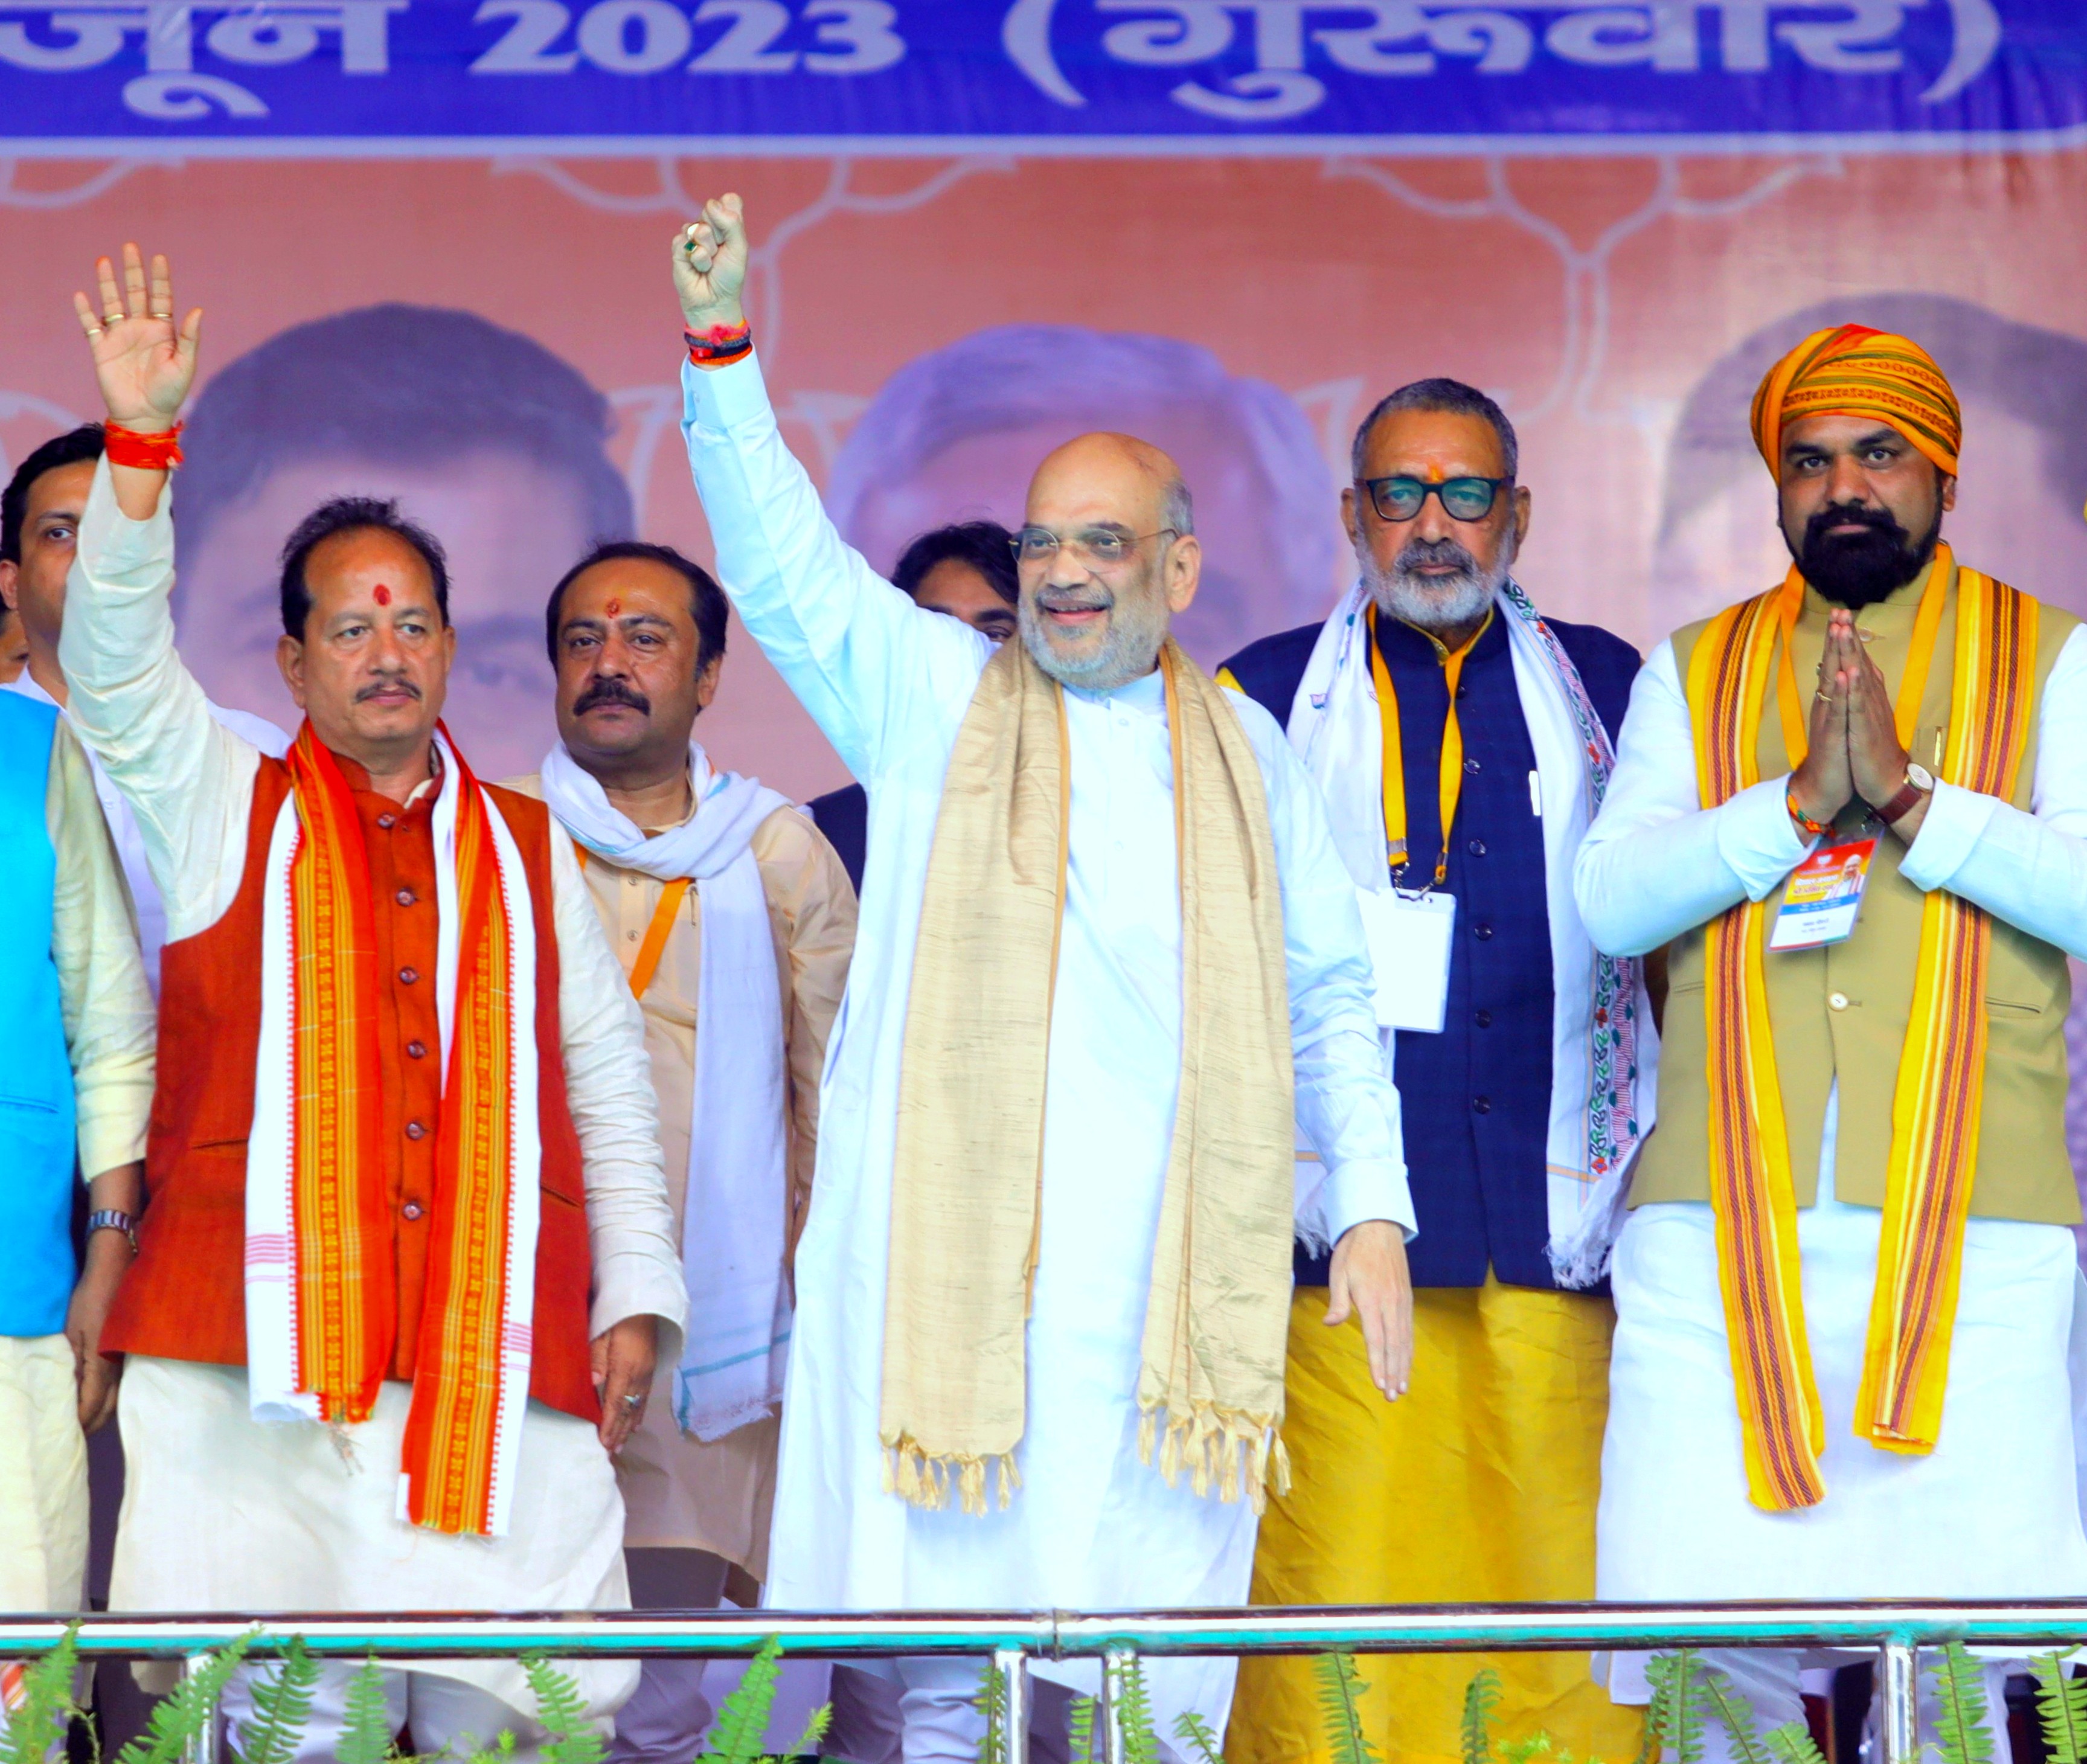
[397,385]
[353,515]
[1453,397]
[708,604]
[75,445]
[987,546]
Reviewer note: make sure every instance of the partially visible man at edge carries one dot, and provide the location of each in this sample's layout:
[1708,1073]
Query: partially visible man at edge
[1057,1145]
[385,1328]
[967,571]
[79,1089]
[1845,1293]
[734,920]
[40,513]
[1521,1108]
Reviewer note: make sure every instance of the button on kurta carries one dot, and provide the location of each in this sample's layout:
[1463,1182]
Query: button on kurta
[1838,1001]
[416,1131]
[387,821]
[407,975]
[416,1050]
[411,1210]
[405,897]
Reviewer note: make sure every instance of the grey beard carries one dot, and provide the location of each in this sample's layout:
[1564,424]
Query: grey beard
[1136,630]
[1442,602]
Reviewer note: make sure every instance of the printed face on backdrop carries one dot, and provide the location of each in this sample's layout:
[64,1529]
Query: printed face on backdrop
[506,524]
[2017,512]
[482,435]
[957,434]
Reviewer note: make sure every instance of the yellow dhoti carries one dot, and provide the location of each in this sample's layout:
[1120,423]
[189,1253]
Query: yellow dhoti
[1478,1487]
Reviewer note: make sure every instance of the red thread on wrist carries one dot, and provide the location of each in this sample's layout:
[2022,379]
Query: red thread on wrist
[145,453]
[719,344]
[1817,829]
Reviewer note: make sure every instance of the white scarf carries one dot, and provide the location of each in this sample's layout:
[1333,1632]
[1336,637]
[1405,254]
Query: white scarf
[272,1379]
[735,1220]
[1602,1103]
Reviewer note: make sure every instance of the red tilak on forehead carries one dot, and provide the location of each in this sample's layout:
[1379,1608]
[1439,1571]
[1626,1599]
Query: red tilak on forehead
[383,595]
[615,607]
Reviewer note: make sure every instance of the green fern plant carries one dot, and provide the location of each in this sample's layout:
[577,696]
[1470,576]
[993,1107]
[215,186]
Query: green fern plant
[1481,1698]
[741,1726]
[1141,1743]
[1735,1714]
[367,1736]
[2061,1705]
[990,1701]
[1193,1732]
[1792,1744]
[282,1709]
[178,1718]
[563,1713]
[815,1731]
[1960,1716]
[1080,1730]
[1341,1687]
[1676,1713]
[40,1723]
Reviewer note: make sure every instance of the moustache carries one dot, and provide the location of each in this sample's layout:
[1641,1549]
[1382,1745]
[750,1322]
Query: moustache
[1418,551]
[612,692]
[1074,600]
[390,683]
[1880,522]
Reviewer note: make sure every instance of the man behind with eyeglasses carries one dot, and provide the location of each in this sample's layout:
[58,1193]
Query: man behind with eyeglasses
[1462,743]
[1107,955]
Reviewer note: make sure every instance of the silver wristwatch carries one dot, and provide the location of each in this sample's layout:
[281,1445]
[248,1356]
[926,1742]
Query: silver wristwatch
[114,1219]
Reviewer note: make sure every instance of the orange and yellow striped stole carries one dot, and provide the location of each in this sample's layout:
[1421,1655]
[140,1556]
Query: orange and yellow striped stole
[1935,1113]
[473,1342]
[345,1291]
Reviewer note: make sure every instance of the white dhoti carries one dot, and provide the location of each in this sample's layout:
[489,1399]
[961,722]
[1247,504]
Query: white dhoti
[43,1476]
[221,1513]
[1993,1512]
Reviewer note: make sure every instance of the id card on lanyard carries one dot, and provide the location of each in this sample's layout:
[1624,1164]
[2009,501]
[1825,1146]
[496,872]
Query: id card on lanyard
[1410,931]
[1824,897]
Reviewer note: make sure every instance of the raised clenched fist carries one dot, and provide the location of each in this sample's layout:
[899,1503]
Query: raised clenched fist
[710,265]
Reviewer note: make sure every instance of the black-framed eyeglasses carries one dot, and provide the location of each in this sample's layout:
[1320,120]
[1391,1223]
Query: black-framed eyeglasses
[1463,499]
[1099,547]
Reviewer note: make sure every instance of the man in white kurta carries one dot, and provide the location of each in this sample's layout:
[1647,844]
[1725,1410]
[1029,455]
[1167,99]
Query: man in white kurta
[1988,1509]
[1091,1526]
[230,1505]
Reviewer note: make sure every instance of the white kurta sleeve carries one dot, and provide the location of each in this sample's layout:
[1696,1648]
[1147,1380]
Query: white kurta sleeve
[2029,869]
[189,779]
[1346,1104]
[109,1024]
[608,1088]
[870,666]
[1655,863]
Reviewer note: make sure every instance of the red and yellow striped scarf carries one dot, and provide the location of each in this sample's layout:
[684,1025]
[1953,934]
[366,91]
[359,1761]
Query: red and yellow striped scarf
[344,1279]
[1936,1110]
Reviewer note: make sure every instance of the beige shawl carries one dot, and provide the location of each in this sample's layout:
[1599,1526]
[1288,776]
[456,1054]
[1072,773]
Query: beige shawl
[967,1173]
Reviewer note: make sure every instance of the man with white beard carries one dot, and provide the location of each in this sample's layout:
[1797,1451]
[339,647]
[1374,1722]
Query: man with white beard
[1462,742]
[1044,1292]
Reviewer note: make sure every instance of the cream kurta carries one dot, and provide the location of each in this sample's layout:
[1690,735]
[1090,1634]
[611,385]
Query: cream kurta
[220,1513]
[108,1029]
[680,1492]
[1091,1527]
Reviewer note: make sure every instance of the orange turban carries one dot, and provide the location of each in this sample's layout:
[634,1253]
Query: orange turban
[1853,371]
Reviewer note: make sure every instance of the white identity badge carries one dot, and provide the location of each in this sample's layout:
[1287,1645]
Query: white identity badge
[1409,946]
[1825,896]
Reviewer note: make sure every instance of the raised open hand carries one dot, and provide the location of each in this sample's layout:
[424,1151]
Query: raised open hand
[145,365]
[710,265]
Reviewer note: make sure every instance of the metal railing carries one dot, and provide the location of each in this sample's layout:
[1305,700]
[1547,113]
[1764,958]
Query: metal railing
[1895,1632]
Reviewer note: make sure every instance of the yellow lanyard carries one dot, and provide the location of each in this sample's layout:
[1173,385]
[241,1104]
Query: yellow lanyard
[1920,654]
[656,933]
[1452,786]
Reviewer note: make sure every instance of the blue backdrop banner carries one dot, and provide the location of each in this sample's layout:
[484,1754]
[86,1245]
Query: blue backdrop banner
[1044,75]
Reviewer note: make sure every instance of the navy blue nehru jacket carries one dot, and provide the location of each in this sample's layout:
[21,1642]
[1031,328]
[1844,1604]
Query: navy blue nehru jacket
[1475,1099]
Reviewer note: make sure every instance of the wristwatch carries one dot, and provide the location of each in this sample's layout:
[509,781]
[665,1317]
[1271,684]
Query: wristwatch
[1919,782]
[113,1219]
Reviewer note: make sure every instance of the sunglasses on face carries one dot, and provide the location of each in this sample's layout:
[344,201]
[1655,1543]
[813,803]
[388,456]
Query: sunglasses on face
[1463,499]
